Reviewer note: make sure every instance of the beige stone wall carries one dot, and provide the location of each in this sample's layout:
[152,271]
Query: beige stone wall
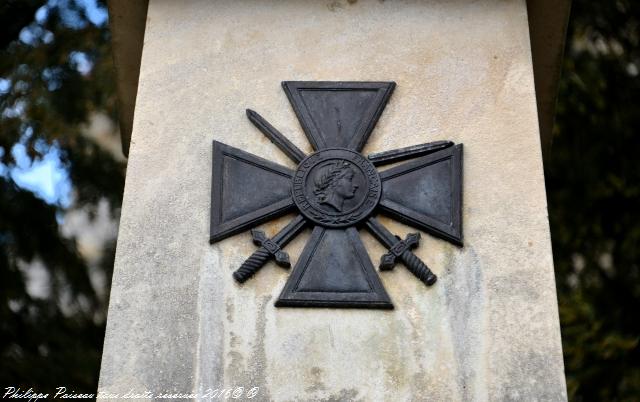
[488,330]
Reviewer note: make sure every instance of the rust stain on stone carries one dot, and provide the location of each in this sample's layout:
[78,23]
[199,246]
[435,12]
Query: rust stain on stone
[334,6]
[316,378]
[234,340]
[229,309]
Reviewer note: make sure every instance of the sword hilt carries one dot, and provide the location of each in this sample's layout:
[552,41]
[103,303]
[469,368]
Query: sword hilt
[401,250]
[272,247]
[418,268]
[252,265]
[268,248]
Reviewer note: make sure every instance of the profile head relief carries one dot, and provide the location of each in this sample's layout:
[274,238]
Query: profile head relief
[333,184]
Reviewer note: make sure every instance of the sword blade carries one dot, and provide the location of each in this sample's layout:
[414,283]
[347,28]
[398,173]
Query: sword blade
[275,136]
[381,233]
[400,154]
[287,233]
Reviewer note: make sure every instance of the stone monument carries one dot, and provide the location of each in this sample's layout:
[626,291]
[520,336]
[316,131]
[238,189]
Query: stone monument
[482,73]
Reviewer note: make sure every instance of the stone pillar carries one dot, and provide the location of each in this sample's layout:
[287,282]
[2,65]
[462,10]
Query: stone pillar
[487,330]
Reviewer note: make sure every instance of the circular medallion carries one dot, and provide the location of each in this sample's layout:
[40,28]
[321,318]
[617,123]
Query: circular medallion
[336,187]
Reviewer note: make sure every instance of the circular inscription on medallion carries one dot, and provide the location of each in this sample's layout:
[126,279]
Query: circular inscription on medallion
[336,187]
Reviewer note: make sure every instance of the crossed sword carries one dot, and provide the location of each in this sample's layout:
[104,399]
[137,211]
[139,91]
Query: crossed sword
[398,249]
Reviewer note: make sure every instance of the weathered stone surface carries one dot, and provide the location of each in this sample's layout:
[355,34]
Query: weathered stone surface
[488,330]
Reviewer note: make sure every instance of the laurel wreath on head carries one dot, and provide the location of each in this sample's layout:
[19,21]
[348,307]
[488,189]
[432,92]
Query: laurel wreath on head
[327,177]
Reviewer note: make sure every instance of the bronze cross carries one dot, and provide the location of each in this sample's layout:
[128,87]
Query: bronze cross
[337,191]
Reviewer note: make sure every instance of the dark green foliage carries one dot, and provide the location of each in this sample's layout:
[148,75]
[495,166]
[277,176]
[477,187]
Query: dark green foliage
[54,340]
[593,185]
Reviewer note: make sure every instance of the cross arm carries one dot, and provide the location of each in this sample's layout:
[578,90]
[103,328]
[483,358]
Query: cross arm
[426,193]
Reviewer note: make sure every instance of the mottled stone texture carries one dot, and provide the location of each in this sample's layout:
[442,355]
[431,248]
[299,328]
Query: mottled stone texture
[488,330]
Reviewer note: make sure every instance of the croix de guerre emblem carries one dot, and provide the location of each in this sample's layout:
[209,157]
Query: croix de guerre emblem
[337,191]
